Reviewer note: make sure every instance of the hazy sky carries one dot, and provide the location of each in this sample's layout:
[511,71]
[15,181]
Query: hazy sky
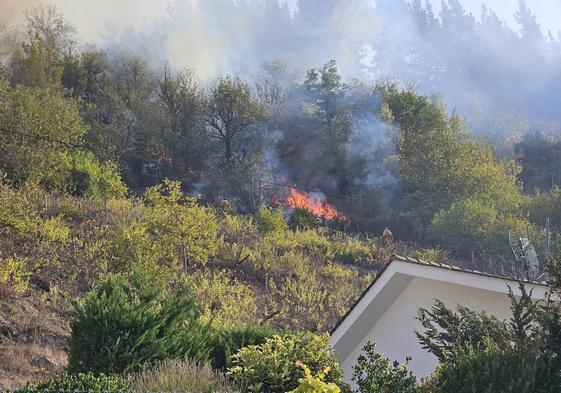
[104,14]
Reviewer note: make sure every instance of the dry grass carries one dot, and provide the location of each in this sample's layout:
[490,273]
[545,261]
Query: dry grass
[180,377]
[16,363]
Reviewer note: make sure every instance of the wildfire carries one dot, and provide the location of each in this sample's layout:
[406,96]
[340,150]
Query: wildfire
[315,204]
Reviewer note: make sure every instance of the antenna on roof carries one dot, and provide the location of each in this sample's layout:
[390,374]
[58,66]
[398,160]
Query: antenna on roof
[525,254]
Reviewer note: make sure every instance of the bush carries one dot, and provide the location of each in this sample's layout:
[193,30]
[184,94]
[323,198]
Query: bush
[271,367]
[488,370]
[302,219]
[80,383]
[13,273]
[230,339]
[270,220]
[81,174]
[375,374]
[122,326]
[180,376]
[315,384]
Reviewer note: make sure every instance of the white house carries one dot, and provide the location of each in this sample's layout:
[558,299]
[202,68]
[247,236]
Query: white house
[386,312]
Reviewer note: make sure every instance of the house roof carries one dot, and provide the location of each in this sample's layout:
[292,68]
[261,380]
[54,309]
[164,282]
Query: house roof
[399,258]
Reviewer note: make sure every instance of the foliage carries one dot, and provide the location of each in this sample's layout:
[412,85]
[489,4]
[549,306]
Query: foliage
[224,298]
[480,353]
[123,326]
[87,382]
[81,174]
[271,366]
[489,369]
[374,374]
[270,220]
[302,220]
[229,339]
[179,376]
[472,226]
[13,272]
[36,126]
[315,384]
[185,232]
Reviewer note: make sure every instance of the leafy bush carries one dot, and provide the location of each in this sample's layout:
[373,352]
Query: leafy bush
[122,326]
[180,376]
[224,298]
[271,366]
[375,374]
[81,174]
[80,383]
[228,340]
[184,231]
[270,220]
[315,384]
[13,272]
[489,369]
[302,219]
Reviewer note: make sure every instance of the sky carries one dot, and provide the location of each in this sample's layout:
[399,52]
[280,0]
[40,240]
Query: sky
[107,15]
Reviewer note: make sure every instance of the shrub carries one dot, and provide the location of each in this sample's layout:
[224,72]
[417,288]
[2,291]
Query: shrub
[122,326]
[270,220]
[228,340]
[315,384]
[81,174]
[375,374]
[13,272]
[184,231]
[224,298]
[180,376]
[489,370]
[271,367]
[302,219]
[80,383]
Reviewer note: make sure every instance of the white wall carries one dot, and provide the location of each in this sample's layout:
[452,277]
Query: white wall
[394,332]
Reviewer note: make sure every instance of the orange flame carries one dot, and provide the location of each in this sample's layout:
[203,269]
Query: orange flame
[314,204]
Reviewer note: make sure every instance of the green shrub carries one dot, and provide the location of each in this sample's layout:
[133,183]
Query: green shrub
[180,376]
[271,367]
[270,220]
[490,370]
[80,383]
[14,273]
[315,384]
[228,340]
[302,219]
[81,174]
[122,326]
[375,374]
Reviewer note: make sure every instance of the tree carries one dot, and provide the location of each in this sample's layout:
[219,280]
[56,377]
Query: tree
[36,127]
[231,110]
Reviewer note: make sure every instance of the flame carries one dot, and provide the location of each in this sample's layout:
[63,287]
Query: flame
[312,203]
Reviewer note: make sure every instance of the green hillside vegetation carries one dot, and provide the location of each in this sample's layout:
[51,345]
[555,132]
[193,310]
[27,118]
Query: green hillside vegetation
[144,230]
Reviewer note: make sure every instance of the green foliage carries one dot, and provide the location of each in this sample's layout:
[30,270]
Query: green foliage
[270,220]
[180,376]
[123,326]
[87,382]
[183,231]
[81,174]
[471,225]
[315,384]
[14,273]
[229,339]
[271,366]
[375,374]
[302,220]
[440,164]
[489,369]
[36,127]
[224,298]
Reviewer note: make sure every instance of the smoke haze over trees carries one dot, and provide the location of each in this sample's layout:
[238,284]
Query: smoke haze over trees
[440,126]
